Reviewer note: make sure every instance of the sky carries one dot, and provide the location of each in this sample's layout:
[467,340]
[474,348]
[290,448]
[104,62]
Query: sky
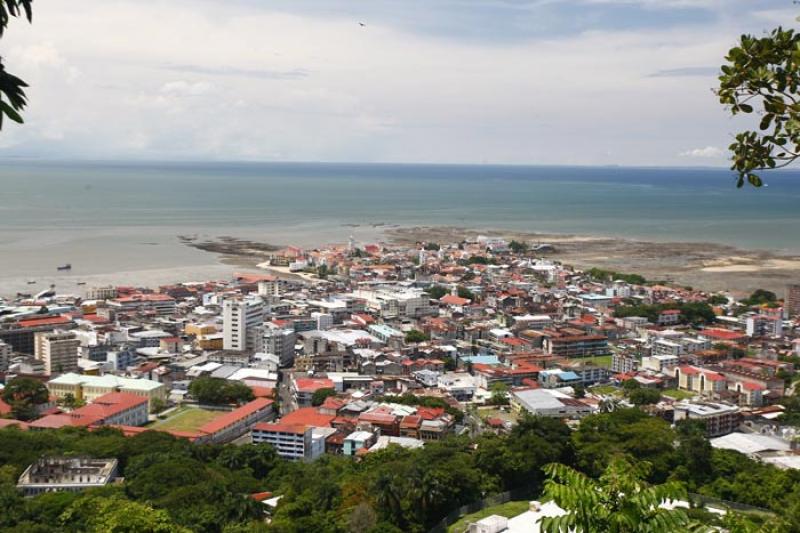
[570,82]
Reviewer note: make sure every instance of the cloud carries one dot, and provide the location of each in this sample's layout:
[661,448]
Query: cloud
[542,81]
[708,152]
[685,71]
[291,74]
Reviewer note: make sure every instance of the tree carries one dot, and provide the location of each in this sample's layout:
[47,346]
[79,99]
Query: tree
[414,336]
[319,396]
[24,395]
[762,75]
[157,405]
[644,396]
[619,502]
[217,391]
[518,247]
[436,291]
[464,292]
[11,87]
[499,393]
[119,515]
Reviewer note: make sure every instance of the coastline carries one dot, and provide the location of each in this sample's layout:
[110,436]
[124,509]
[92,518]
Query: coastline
[709,266]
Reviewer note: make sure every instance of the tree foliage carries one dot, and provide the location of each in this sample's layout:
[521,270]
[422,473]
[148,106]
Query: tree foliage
[12,89]
[24,395]
[319,396]
[414,336]
[217,391]
[619,502]
[761,76]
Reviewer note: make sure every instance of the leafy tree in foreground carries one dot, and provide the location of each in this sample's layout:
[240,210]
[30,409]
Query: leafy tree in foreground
[761,76]
[12,93]
[415,335]
[23,395]
[319,396]
[619,502]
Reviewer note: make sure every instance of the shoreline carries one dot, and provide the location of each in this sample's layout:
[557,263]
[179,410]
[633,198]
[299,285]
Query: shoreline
[709,266]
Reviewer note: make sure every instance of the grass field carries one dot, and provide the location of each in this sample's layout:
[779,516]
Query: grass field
[677,394]
[605,390]
[508,509]
[187,419]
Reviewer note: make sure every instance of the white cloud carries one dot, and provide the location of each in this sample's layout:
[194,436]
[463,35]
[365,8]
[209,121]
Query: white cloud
[218,80]
[708,152]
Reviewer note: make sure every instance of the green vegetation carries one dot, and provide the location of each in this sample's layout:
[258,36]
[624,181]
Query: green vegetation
[24,395]
[609,275]
[518,247]
[760,297]
[717,299]
[432,247]
[762,76]
[413,336]
[620,501]
[464,292]
[499,394]
[12,92]
[319,396]
[187,419]
[508,510]
[437,291]
[677,394]
[604,390]
[217,391]
[693,313]
[480,260]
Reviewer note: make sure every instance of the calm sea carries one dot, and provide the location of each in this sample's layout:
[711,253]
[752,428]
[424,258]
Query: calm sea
[105,218]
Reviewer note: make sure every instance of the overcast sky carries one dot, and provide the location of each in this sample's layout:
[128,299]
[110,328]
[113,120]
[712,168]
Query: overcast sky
[500,81]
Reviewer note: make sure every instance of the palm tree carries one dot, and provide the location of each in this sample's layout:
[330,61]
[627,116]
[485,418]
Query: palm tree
[619,502]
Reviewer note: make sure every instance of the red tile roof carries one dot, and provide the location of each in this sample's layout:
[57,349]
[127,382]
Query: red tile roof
[451,299]
[312,384]
[4,423]
[228,419]
[307,416]
[46,321]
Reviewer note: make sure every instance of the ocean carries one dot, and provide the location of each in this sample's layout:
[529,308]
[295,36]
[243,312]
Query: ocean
[116,220]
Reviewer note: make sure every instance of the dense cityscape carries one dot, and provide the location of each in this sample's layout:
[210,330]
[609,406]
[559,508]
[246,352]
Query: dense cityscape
[300,393]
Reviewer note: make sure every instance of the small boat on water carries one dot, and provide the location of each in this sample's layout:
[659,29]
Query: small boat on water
[31,282]
[80,283]
[65,267]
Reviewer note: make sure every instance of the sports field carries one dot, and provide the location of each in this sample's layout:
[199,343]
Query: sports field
[187,419]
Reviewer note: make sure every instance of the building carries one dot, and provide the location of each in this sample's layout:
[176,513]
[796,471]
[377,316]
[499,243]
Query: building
[550,403]
[236,423]
[112,409]
[58,351]
[699,380]
[358,440]
[279,341]
[390,302]
[158,304]
[89,388]
[299,436]
[575,345]
[101,293]
[304,389]
[66,474]
[764,326]
[792,301]
[240,320]
[720,418]
[660,363]
[5,356]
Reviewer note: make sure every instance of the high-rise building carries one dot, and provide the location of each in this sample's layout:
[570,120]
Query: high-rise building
[278,341]
[240,320]
[58,351]
[792,303]
[5,356]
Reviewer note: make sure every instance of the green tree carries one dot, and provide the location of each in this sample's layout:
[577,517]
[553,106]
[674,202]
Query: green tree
[12,89]
[644,396]
[499,393]
[319,396]
[119,515]
[436,291]
[518,247]
[157,405]
[217,391]
[762,75]
[619,502]
[24,395]
[414,336]
[464,292]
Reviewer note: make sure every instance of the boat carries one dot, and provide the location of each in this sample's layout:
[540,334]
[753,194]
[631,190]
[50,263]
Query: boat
[65,267]
[80,283]
[31,282]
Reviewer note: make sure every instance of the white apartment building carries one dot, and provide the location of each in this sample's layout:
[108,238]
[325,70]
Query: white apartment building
[58,351]
[324,320]
[292,442]
[764,326]
[395,303]
[659,363]
[239,320]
